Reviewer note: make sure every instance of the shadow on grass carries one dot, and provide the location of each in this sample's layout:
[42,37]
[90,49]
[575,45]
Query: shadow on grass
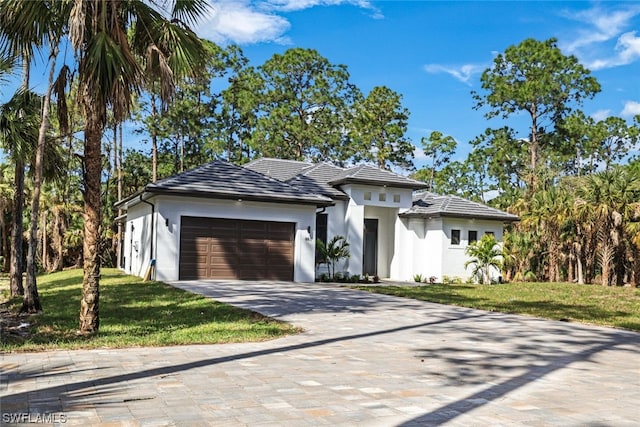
[610,311]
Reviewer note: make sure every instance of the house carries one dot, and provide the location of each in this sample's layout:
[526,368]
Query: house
[261,221]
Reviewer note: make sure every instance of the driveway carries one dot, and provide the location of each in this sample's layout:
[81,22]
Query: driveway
[364,359]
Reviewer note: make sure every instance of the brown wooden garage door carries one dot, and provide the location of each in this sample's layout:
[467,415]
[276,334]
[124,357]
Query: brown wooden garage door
[215,248]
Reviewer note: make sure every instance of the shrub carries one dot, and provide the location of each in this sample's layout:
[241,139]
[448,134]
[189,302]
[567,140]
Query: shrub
[417,278]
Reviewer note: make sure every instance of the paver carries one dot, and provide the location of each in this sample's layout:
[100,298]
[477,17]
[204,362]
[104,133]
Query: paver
[362,360]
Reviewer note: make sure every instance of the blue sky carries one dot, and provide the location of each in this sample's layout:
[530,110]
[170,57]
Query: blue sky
[433,52]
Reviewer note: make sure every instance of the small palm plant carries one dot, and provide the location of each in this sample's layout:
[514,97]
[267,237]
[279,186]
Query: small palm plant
[333,251]
[485,254]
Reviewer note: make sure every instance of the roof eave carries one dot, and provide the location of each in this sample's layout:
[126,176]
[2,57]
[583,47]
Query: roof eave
[239,196]
[451,215]
[408,185]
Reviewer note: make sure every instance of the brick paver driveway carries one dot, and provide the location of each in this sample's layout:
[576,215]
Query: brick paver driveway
[364,359]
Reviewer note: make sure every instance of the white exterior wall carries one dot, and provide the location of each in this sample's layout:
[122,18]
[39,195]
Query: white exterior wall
[354,225]
[357,209]
[137,240]
[418,249]
[454,256]
[423,246]
[169,211]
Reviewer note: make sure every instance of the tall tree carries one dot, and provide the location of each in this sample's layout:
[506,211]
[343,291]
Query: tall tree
[438,149]
[535,77]
[302,103]
[378,130]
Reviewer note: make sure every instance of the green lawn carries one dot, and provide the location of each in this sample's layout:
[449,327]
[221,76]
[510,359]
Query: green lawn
[135,313]
[606,306]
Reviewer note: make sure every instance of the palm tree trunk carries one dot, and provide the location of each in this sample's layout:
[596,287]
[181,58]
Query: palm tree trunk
[17,266]
[89,306]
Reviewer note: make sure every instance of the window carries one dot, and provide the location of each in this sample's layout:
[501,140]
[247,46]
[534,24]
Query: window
[321,230]
[489,233]
[382,197]
[455,237]
[396,198]
[367,195]
[473,236]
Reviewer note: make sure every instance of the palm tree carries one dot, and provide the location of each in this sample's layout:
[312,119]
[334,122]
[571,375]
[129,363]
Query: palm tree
[20,37]
[549,211]
[607,200]
[107,37]
[19,121]
[330,253]
[486,254]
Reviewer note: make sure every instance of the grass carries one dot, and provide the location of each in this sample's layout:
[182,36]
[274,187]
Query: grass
[591,304]
[134,313]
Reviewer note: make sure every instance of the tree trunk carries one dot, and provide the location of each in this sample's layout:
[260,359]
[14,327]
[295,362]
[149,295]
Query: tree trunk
[31,303]
[533,150]
[45,244]
[154,140]
[554,255]
[120,230]
[17,266]
[571,266]
[89,306]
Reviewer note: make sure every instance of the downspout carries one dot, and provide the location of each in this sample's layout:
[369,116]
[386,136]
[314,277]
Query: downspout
[153,231]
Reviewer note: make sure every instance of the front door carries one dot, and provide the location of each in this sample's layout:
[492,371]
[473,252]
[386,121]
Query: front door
[370,257]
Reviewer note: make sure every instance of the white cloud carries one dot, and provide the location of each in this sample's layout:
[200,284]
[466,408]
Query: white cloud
[240,22]
[463,73]
[603,27]
[631,108]
[627,50]
[247,21]
[419,154]
[601,115]
[293,5]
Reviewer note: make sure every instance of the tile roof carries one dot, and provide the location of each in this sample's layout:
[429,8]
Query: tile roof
[224,180]
[427,204]
[367,174]
[279,169]
[315,179]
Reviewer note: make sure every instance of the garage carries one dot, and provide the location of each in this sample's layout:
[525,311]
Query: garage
[221,248]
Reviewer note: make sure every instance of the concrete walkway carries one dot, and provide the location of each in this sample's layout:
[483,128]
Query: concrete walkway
[363,360]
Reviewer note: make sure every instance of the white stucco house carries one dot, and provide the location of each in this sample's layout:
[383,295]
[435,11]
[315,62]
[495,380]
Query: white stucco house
[261,221]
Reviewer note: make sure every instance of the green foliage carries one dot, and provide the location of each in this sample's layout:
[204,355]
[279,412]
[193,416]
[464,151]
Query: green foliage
[332,252]
[302,104]
[438,148]
[378,130]
[417,278]
[535,77]
[485,255]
